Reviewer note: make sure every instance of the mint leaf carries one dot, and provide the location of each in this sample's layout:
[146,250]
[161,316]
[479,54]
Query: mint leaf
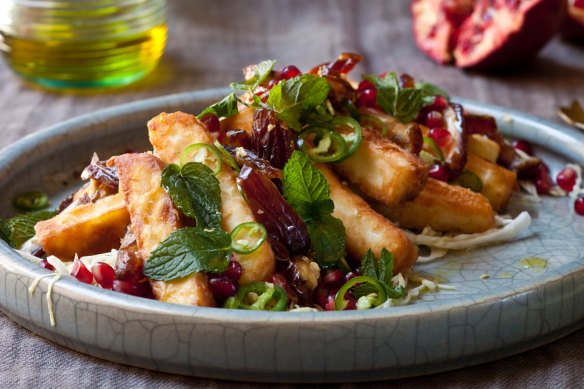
[4,233]
[195,191]
[296,97]
[409,103]
[224,108]
[20,228]
[303,182]
[387,91]
[368,265]
[327,236]
[381,271]
[254,76]
[385,269]
[307,191]
[187,251]
[430,89]
[402,103]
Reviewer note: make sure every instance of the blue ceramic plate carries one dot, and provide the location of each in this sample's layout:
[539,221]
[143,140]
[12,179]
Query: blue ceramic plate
[483,319]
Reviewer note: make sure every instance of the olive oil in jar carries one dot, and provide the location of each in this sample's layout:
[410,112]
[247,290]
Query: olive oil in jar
[83,45]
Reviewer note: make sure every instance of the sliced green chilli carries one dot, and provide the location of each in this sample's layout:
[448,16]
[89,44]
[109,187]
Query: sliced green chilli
[432,148]
[31,201]
[340,300]
[322,144]
[226,156]
[468,179]
[258,296]
[248,237]
[352,109]
[204,153]
[375,122]
[353,137]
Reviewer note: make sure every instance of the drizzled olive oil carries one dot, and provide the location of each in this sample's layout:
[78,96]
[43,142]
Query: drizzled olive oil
[82,46]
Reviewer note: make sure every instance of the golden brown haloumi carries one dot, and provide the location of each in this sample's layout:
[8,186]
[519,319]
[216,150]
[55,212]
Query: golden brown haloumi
[85,229]
[444,207]
[169,135]
[498,182]
[366,229]
[241,121]
[154,218]
[384,171]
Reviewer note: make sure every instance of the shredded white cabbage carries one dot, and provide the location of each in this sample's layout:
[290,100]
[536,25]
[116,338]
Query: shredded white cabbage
[426,285]
[50,299]
[507,229]
[303,309]
[435,253]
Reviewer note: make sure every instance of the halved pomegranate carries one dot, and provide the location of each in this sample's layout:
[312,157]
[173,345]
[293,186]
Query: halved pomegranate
[485,34]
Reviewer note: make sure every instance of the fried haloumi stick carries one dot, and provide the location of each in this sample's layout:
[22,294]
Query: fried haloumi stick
[169,135]
[444,207]
[154,218]
[366,229]
[384,171]
[498,182]
[85,229]
[241,121]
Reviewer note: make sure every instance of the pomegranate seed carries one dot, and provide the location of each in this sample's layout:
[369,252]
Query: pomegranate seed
[233,270]
[290,72]
[140,289]
[46,265]
[440,172]
[321,297]
[440,135]
[334,278]
[351,303]
[440,103]
[80,272]
[367,98]
[434,119]
[281,281]
[104,275]
[364,85]
[523,145]
[543,184]
[578,3]
[579,206]
[567,179]
[349,276]
[272,84]
[330,303]
[222,288]
[212,122]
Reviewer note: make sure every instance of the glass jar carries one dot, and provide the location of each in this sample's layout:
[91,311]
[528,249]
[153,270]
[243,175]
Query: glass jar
[80,44]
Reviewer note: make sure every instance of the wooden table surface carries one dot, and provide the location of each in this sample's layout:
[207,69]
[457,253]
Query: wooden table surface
[209,42]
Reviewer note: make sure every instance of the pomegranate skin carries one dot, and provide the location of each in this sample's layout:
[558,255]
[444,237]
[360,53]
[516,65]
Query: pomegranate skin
[511,46]
[573,27]
[434,27]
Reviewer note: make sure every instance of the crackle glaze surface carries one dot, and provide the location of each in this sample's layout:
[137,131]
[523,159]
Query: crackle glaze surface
[515,309]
